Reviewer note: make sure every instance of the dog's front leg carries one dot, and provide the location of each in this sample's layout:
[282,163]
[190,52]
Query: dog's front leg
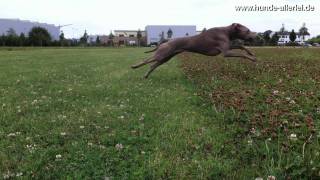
[237,54]
[242,48]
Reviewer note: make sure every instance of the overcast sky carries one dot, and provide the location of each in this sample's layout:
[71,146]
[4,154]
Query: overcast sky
[101,16]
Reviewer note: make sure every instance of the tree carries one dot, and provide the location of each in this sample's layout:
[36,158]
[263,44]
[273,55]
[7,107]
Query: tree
[22,40]
[61,38]
[111,37]
[266,36]
[204,29]
[282,29]
[11,32]
[169,33]
[12,39]
[84,38]
[303,30]
[292,36]
[98,41]
[314,40]
[39,36]
[2,40]
[274,39]
[139,36]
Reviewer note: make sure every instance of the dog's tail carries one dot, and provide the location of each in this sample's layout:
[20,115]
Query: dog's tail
[153,50]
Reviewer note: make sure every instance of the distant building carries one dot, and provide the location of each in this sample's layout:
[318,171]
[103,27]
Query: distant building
[22,26]
[284,38]
[154,32]
[128,37]
[284,35]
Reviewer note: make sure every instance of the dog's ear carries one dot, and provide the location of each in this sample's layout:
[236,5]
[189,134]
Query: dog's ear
[236,26]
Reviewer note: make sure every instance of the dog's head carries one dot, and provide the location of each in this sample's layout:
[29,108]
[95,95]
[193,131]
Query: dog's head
[242,32]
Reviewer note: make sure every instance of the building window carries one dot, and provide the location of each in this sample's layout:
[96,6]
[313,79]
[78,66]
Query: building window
[131,35]
[121,35]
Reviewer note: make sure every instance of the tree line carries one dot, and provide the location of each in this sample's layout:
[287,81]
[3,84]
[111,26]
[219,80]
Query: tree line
[37,36]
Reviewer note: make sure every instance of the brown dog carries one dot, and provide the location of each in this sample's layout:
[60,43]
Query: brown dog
[211,43]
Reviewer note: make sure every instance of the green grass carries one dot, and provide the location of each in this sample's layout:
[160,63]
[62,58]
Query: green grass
[83,113]
[81,103]
[271,108]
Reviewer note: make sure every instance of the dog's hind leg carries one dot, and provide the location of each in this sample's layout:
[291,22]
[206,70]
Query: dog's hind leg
[152,68]
[147,61]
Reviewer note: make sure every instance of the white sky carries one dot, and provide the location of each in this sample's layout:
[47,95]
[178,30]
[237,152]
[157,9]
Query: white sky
[101,16]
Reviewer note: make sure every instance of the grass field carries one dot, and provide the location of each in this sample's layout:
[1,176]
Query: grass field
[83,113]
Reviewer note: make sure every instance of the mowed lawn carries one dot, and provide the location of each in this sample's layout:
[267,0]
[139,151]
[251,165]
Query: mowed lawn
[84,113]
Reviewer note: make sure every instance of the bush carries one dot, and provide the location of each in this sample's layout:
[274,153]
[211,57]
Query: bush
[39,36]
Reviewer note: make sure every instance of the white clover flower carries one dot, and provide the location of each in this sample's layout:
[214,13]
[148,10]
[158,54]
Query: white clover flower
[6,176]
[292,102]
[142,117]
[293,137]
[119,146]
[275,92]
[34,102]
[81,127]
[19,174]
[250,142]
[12,135]
[271,178]
[253,130]
[63,133]
[58,156]
[288,98]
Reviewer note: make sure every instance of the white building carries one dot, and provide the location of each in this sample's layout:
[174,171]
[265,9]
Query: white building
[154,32]
[284,38]
[128,33]
[22,26]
